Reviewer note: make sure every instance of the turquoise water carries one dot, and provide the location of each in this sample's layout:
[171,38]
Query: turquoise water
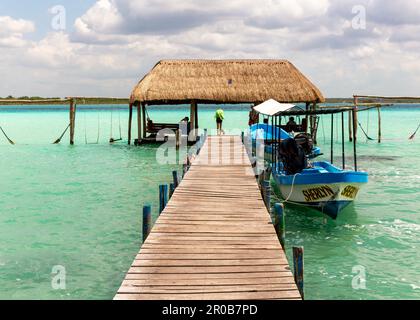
[80,207]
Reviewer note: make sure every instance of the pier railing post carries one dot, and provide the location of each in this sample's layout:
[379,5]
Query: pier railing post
[176,179]
[171,190]
[163,197]
[279,223]
[267,193]
[298,269]
[147,221]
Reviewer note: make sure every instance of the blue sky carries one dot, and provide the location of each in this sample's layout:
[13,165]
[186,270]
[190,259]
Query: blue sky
[343,46]
[37,11]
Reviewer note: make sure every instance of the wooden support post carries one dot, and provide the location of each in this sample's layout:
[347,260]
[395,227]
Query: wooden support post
[144,124]
[267,193]
[379,126]
[147,221]
[171,190]
[176,179]
[354,138]
[355,120]
[196,116]
[242,137]
[139,124]
[178,138]
[298,269]
[279,223]
[130,120]
[163,197]
[260,179]
[193,125]
[184,169]
[72,120]
[267,173]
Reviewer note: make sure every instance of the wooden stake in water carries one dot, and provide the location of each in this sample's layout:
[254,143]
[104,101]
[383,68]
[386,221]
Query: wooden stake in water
[176,179]
[147,221]
[171,190]
[279,223]
[267,193]
[298,269]
[163,197]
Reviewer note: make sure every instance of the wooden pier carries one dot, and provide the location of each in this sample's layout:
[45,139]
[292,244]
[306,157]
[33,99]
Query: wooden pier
[214,240]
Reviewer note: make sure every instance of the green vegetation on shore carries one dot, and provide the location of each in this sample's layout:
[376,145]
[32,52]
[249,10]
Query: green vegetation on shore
[41,100]
[113,101]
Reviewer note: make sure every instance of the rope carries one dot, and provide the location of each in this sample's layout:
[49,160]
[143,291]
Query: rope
[8,139]
[147,113]
[323,129]
[367,137]
[414,134]
[291,190]
[62,135]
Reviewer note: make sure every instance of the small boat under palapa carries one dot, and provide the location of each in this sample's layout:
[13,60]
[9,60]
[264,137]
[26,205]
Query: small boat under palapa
[319,185]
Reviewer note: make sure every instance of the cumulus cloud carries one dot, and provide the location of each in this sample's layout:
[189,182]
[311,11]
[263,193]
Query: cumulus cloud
[12,31]
[115,42]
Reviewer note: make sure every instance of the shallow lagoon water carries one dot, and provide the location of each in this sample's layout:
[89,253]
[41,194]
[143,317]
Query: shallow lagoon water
[80,206]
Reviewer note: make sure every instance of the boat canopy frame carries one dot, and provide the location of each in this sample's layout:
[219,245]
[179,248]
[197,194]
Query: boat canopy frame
[276,121]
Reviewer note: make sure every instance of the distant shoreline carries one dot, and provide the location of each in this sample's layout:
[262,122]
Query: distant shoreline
[123,101]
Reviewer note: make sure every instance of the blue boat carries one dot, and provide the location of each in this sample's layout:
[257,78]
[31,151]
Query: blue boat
[323,187]
[318,185]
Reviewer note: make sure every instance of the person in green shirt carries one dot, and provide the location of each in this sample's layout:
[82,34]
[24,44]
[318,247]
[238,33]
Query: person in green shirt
[219,116]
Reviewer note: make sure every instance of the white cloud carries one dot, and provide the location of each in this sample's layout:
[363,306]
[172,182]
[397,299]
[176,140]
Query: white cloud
[13,30]
[115,42]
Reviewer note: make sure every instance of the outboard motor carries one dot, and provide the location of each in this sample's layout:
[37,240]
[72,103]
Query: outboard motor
[293,157]
[306,142]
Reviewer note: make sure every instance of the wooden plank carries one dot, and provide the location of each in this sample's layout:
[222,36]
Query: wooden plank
[292,294]
[214,239]
[209,269]
[206,281]
[207,289]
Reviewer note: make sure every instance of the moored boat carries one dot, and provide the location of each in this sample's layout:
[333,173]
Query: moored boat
[323,187]
[318,185]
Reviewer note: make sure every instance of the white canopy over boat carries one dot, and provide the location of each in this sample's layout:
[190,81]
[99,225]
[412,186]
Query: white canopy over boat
[272,107]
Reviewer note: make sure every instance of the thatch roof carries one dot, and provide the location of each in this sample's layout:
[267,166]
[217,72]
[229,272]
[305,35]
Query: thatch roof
[225,81]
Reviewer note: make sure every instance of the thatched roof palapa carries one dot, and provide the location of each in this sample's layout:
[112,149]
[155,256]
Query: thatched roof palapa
[225,81]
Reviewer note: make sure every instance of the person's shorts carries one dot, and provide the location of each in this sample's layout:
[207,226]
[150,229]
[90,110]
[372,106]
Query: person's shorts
[219,120]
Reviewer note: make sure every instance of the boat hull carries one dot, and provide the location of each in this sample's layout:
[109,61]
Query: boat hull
[324,188]
[330,199]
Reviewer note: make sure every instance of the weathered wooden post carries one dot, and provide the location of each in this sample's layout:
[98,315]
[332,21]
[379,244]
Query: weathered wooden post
[176,179]
[147,221]
[267,193]
[350,126]
[171,190]
[298,269]
[379,126]
[130,120]
[279,223]
[163,197]
[139,130]
[72,120]
[184,169]
[355,121]
[242,137]
[143,116]
[177,138]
